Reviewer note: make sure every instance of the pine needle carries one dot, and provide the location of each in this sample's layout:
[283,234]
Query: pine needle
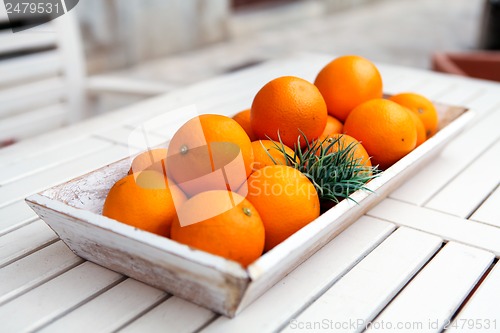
[335,175]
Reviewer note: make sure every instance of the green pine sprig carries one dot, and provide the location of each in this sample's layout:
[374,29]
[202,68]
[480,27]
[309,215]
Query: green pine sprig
[335,175]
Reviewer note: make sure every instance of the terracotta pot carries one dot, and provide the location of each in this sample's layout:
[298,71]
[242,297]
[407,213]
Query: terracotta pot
[480,65]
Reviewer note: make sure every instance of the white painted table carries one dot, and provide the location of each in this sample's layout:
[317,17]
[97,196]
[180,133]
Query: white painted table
[423,259]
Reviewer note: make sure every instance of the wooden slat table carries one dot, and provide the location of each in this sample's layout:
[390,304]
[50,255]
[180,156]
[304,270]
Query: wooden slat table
[424,259]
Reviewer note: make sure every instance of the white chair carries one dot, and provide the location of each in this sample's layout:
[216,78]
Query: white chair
[43,82]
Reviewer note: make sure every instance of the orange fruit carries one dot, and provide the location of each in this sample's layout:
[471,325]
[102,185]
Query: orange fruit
[288,105]
[233,231]
[333,126]
[261,151]
[243,118]
[424,109]
[344,140]
[149,159]
[144,202]
[419,126]
[347,82]
[285,199]
[209,152]
[385,129]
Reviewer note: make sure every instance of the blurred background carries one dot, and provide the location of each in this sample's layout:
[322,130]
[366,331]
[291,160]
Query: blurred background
[112,53]
[121,34]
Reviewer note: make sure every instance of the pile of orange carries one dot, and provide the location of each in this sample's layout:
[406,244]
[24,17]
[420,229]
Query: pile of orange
[225,186]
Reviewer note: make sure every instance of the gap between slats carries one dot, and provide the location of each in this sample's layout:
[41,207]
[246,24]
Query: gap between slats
[33,122]
[299,288]
[449,227]
[62,172]
[372,283]
[182,316]
[130,297]
[52,158]
[30,68]
[479,305]
[143,312]
[15,216]
[35,269]
[465,192]
[450,163]
[25,241]
[488,212]
[450,277]
[31,96]
[26,41]
[58,296]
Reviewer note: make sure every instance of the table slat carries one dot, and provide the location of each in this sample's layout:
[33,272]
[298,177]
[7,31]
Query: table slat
[469,188]
[459,153]
[434,295]
[489,212]
[364,291]
[482,309]
[120,135]
[444,225]
[63,172]
[487,102]
[25,240]
[462,93]
[14,216]
[308,281]
[119,305]
[52,158]
[433,88]
[173,315]
[56,297]
[35,269]
[404,83]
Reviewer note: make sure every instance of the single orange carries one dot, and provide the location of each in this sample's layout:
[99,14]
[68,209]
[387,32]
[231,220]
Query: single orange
[144,201]
[243,118]
[342,142]
[347,82]
[233,230]
[263,148]
[385,129]
[285,199]
[419,125]
[287,106]
[149,159]
[333,126]
[209,152]
[424,109]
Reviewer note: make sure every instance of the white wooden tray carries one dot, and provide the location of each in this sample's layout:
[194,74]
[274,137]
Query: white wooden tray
[73,211]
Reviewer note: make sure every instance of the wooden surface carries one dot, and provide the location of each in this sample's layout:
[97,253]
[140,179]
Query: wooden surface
[73,210]
[426,254]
